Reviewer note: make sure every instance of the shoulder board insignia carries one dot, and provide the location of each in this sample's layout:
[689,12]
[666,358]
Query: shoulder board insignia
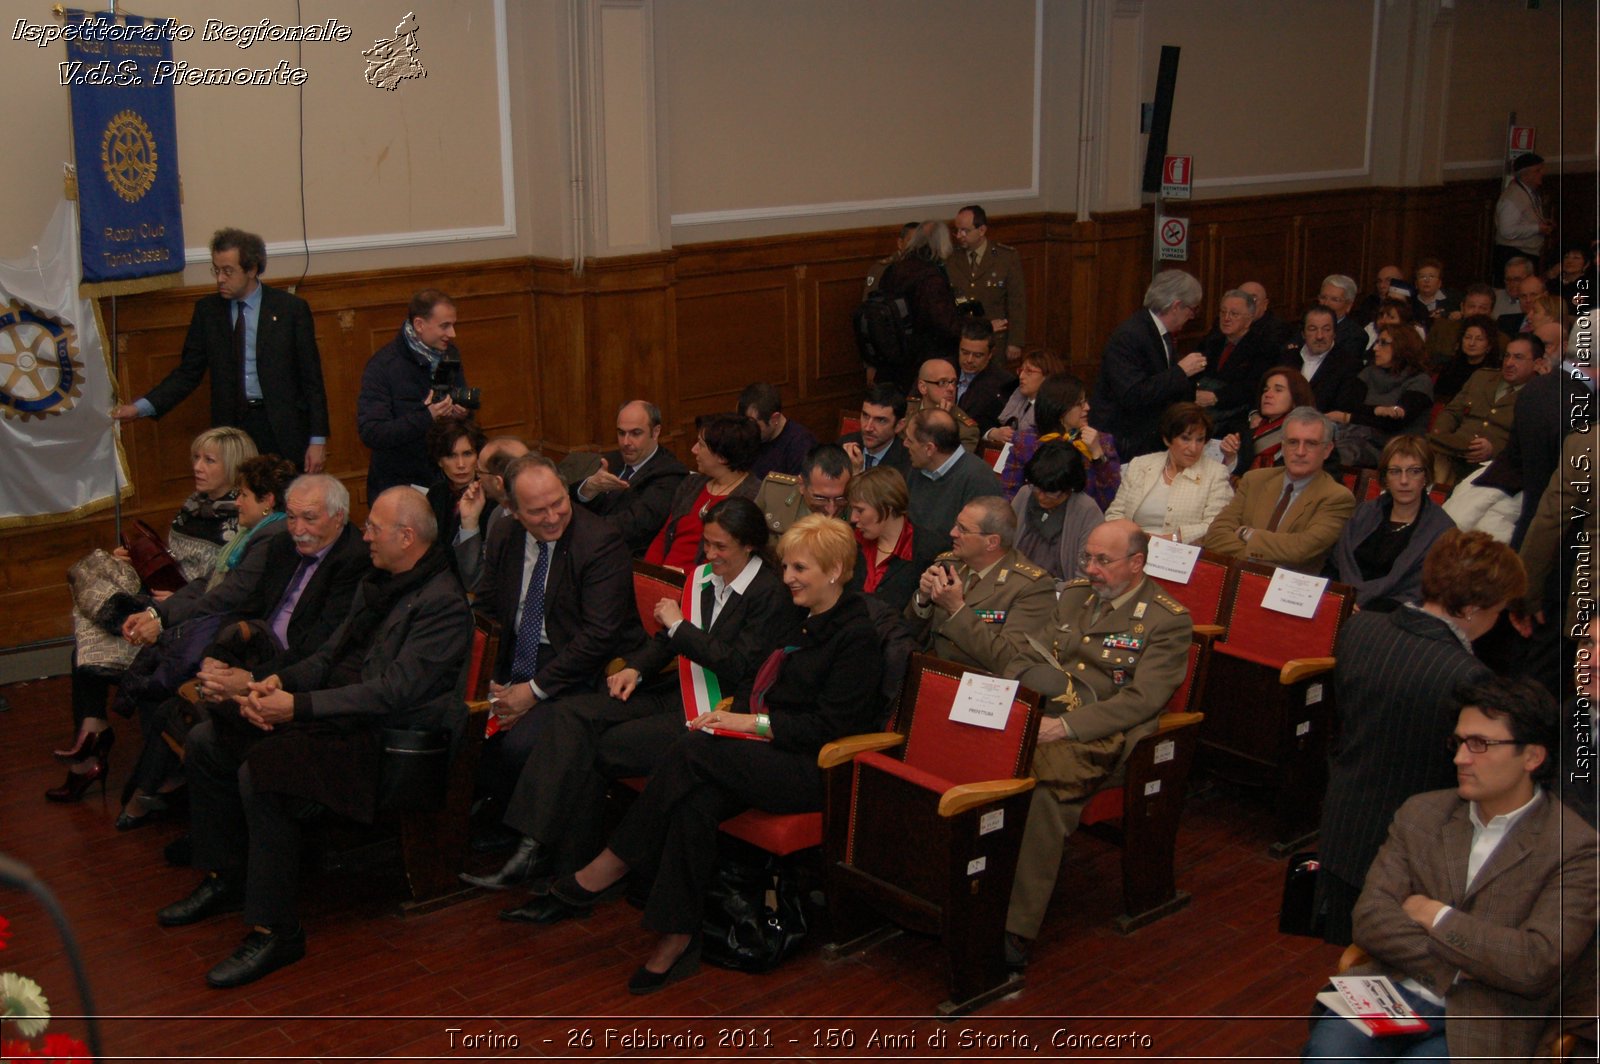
[1171,604]
[1082,581]
[1030,570]
[962,416]
[947,556]
[1003,247]
[780,478]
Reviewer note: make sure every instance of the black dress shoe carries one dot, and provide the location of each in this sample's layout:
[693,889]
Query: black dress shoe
[522,865]
[1016,952]
[644,981]
[566,889]
[546,910]
[260,954]
[214,895]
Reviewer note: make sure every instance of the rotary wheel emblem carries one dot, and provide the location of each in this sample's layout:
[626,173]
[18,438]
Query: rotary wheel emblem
[40,373]
[128,155]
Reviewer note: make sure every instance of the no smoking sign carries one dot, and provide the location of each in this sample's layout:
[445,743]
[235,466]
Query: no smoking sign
[1173,239]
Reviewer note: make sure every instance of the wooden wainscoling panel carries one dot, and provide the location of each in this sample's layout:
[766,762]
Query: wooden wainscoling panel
[555,352]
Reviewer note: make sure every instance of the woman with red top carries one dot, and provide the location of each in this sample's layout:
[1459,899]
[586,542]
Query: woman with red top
[727,446]
[878,501]
[1282,389]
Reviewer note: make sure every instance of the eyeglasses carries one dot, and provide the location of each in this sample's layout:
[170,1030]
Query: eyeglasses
[942,383]
[225,271]
[1408,473]
[1100,561]
[1476,743]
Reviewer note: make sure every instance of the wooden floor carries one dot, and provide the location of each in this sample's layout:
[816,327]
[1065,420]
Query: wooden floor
[1215,981]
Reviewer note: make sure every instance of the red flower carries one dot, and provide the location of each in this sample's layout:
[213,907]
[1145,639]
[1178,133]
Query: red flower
[57,1049]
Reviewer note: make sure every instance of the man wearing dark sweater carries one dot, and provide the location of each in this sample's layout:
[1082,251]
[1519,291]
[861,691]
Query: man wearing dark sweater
[944,478]
[784,443]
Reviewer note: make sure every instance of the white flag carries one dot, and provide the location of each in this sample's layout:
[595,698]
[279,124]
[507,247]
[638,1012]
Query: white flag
[62,458]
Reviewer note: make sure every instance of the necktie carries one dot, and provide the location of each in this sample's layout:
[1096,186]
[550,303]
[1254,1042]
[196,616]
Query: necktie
[525,659]
[627,474]
[1282,507]
[291,597]
[238,345]
[1227,352]
[972,259]
[872,460]
[1166,342]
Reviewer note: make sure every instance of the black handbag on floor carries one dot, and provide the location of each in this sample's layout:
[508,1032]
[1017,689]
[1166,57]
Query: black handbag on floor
[739,930]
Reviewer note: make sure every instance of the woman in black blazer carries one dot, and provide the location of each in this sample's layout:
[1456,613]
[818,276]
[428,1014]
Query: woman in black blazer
[803,697]
[559,796]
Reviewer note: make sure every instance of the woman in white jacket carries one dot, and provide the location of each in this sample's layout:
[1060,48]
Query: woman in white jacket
[1175,493]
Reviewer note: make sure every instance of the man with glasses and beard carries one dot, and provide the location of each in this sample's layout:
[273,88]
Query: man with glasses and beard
[1108,659]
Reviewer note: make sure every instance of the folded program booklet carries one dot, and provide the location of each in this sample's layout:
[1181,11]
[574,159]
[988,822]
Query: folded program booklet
[1372,1003]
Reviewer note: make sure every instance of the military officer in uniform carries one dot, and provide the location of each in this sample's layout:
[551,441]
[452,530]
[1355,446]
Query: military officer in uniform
[936,386]
[1109,657]
[976,601]
[821,488]
[990,274]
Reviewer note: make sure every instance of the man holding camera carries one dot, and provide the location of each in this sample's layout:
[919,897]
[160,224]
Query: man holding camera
[411,382]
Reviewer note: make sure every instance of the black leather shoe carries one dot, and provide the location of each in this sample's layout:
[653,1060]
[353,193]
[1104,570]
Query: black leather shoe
[214,895]
[546,910]
[521,866]
[261,953]
[644,981]
[567,890]
[1016,952]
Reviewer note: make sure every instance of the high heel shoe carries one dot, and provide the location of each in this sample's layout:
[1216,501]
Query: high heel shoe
[87,746]
[78,782]
[644,981]
[156,807]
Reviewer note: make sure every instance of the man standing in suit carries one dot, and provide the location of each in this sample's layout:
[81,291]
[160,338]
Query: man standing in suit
[260,347]
[399,401]
[634,485]
[560,582]
[1120,647]
[982,387]
[1328,368]
[990,275]
[1482,895]
[312,733]
[977,601]
[877,441]
[1140,371]
[1289,515]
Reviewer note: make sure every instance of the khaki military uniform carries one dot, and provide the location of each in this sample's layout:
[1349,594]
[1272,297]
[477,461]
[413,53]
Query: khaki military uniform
[782,501]
[967,426]
[1013,597]
[996,281]
[1124,667]
[1473,412]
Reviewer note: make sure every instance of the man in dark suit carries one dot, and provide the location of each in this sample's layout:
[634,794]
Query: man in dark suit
[877,442]
[310,737]
[1140,371]
[1277,334]
[399,402]
[1338,294]
[1236,357]
[261,350]
[560,582]
[477,527]
[982,387]
[1481,897]
[634,485]
[1329,368]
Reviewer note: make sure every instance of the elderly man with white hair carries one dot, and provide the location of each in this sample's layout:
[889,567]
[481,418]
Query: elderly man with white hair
[1141,372]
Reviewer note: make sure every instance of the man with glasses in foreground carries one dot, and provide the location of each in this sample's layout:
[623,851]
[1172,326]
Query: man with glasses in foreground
[1108,659]
[1481,896]
[259,346]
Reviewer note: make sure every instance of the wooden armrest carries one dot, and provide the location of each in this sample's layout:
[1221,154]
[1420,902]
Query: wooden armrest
[1211,630]
[1297,669]
[964,796]
[841,750]
[1174,721]
[1352,956]
[475,708]
[614,666]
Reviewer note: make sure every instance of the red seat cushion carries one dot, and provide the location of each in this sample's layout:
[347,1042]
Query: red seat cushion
[910,773]
[1105,805]
[777,833]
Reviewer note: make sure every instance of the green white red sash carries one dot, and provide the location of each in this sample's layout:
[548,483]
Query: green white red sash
[700,687]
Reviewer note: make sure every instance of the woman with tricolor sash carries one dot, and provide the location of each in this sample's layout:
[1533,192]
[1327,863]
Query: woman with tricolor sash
[734,611]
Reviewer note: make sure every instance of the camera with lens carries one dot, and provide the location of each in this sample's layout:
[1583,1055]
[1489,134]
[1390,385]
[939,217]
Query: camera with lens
[444,374]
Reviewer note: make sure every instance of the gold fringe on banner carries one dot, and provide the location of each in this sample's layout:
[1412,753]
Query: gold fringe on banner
[38,520]
[132,286]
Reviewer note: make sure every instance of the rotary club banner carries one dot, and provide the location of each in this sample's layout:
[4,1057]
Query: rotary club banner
[125,142]
[62,459]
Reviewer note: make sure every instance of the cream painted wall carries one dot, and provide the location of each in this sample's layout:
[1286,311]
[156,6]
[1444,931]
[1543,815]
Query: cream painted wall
[390,177]
[1540,64]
